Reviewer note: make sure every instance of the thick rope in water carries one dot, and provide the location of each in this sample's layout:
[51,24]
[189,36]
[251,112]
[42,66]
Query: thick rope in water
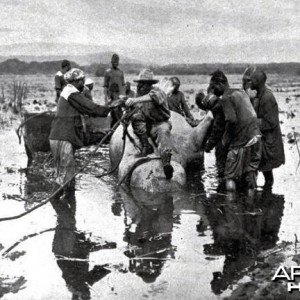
[125,116]
[138,163]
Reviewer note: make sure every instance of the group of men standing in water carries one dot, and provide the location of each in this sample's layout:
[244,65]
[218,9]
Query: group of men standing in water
[245,131]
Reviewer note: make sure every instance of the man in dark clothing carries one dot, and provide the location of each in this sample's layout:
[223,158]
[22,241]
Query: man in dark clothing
[129,93]
[86,121]
[247,86]
[66,130]
[153,119]
[114,86]
[59,79]
[176,101]
[268,119]
[241,136]
[214,137]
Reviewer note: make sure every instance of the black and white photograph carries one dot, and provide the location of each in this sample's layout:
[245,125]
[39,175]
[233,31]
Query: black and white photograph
[149,150]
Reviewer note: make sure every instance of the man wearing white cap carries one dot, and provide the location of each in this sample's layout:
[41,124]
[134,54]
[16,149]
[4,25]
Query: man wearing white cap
[88,87]
[66,130]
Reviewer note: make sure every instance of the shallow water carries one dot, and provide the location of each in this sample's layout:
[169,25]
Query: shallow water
[110,243]
[107,242]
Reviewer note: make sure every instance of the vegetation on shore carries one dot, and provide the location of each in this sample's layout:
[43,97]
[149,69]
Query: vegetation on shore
[18,67]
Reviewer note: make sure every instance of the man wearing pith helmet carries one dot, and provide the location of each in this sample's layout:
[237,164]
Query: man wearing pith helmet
[153,118]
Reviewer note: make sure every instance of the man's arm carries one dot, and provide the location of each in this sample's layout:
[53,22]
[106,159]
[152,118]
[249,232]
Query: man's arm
[86,106]
[57,85]
[228,109]
[156,96]
[185,107]
[230,118]
[218,129]
[123,88]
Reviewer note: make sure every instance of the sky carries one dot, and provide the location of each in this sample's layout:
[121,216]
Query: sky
[163,32]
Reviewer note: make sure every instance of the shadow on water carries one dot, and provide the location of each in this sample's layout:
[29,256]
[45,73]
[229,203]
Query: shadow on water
[72,249]
[241,229]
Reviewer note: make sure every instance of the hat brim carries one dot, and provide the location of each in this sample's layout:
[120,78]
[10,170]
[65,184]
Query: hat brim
[152,81]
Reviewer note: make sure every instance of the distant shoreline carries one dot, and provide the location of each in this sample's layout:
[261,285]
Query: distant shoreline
[19,67]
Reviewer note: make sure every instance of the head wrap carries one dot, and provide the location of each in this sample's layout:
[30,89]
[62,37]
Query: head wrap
[248,72]
[175,80]
[74,74]
[259,75]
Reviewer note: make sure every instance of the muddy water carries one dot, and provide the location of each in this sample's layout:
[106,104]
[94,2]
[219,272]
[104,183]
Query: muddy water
[109,243]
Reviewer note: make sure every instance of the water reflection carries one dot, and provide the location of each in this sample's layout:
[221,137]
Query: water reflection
[149,225]
[72,248]
[241,228]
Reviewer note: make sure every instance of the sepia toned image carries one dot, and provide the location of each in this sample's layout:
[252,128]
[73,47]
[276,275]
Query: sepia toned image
[149,149]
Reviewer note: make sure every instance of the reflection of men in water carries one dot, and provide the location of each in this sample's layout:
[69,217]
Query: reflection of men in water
[150,232]
[240,230]
[71,249]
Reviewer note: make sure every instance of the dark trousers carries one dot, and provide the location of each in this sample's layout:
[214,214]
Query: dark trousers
[269,179]
[160,132]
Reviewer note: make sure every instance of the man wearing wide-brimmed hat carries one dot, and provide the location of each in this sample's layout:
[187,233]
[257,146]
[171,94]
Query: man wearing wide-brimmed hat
[153,118]
[66,130]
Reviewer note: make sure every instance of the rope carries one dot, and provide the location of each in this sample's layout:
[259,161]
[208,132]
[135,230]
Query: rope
[24,238]
[141,161]
[123,149]
[125,116]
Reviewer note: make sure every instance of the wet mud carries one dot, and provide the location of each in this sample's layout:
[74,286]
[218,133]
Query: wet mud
[109,242]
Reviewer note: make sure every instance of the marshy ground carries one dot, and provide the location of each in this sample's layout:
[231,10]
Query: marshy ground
[107,242]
